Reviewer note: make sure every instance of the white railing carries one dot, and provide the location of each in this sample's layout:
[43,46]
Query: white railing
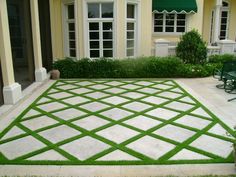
[172,50]
[165,48]
[213,50]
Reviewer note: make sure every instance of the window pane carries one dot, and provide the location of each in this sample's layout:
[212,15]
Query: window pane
[72,35]
[93,26]
[158,29]
[71,14]
[107,53]
[93,10]
[107,26]
[170,16]
[107,10]
[159,22]
[130,52]
[223,33]
[225,4]
[94,54]
[71,27]
[169,29]
[181,23]
[18,53]
[181,16]
[223,27]
[158,16]
[224,20]
[72,44]
[224,14]
[107,44]
[130,44]
[130,26]
[94,44]
[107,35]
[170,22]
[130,11]
[72,53]
[180,29]
[94,35]
[130,35]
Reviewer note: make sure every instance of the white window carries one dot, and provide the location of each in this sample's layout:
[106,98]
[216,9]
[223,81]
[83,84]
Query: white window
[224,21]
[169,23]
[100,29]
[131,30]
[69,30]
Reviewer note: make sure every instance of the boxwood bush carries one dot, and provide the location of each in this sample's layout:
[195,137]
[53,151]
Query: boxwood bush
[191,48]
[144,67]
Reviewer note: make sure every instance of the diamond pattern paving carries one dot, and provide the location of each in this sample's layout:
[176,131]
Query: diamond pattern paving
[116,122]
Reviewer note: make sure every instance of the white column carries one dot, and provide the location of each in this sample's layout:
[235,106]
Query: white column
[11,90]
[40,72]
[217,20]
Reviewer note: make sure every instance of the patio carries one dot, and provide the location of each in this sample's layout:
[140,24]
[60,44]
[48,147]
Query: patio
[118,122]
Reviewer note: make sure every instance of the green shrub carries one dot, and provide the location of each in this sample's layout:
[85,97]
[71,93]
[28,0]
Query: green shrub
[191,48]
[145,67]
[221,58]
[193,71]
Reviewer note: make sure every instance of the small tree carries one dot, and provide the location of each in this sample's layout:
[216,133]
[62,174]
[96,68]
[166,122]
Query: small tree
[191,48]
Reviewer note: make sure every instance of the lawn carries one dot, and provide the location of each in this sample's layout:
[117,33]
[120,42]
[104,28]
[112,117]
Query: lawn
[116,122]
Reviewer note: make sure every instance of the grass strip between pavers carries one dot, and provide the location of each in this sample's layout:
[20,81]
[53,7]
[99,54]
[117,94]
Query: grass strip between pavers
[93,160]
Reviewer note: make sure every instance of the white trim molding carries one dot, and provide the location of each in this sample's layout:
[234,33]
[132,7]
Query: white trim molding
[100,21]
[12,93]
[137,27]
[175,25]
[65,26]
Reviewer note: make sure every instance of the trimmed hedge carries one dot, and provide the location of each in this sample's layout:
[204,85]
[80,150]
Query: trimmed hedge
[146,67]
[220,59]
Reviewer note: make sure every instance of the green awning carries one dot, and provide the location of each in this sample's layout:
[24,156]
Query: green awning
[177,6]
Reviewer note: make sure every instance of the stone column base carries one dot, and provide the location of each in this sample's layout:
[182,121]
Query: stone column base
[12,93]
[40,75]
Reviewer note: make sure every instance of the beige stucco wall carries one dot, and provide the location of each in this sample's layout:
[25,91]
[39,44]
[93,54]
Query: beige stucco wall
[80,32]
[146,27]
[195,21]
[120,32]
[209,5]
[232,21]
[56,28]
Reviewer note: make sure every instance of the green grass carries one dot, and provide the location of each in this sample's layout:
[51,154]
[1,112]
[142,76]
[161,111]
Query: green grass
[143,159]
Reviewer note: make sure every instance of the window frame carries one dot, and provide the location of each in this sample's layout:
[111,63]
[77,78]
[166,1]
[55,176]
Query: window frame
[100,21]
[175,23]
[227,10]
[135,22]
[65,26]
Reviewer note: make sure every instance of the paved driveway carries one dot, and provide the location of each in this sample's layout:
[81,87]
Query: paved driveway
[116,122]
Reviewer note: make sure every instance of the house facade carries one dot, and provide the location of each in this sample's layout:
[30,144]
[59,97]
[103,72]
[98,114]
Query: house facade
[33,33]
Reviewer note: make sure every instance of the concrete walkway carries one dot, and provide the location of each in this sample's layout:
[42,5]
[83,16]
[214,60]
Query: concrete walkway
[119,112]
